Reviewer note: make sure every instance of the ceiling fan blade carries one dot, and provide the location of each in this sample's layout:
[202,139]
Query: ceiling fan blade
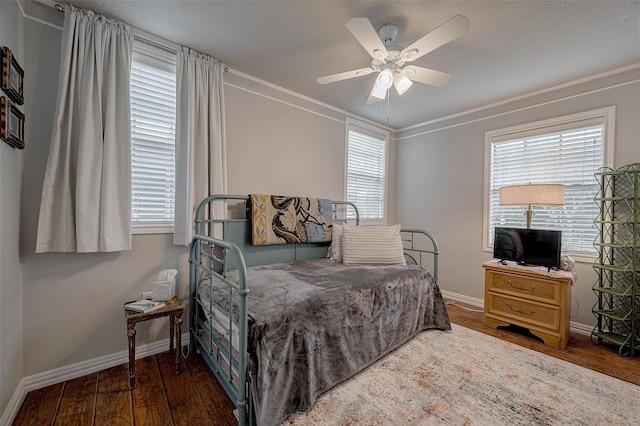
[450,30]
[364,32]
[426,75]
[344,75]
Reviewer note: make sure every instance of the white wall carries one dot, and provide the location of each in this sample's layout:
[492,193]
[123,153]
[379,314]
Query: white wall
[275,145]
[11,160]
[440,175]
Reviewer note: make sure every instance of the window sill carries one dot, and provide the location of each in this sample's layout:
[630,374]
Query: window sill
[151,229]
[583,257]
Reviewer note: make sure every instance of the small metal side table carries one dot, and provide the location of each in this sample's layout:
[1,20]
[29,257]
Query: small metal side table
[173,309]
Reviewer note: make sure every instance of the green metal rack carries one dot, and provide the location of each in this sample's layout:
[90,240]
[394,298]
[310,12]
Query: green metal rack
[618,285]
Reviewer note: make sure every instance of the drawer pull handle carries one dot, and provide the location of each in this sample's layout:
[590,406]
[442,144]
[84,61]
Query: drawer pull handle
[530,312]
[533,286]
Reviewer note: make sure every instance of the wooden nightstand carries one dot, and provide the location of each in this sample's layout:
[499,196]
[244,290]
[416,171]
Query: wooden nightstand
[173,309]
[529,297]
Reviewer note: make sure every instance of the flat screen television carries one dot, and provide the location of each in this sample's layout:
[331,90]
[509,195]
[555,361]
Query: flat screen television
[528,246]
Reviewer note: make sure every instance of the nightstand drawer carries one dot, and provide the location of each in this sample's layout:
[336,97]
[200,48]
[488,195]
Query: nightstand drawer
[526,287]
[524,312]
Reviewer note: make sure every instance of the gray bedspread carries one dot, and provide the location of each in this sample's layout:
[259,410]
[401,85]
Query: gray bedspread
[316,323]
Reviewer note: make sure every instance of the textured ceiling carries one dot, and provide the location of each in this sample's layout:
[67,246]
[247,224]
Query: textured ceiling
[512,48]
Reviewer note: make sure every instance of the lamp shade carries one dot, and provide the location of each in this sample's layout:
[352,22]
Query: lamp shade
[538,195]
[401,83]
[378,92]
[385,79]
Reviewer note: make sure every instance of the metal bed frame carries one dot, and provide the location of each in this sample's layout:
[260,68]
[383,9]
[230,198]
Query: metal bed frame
[211,259]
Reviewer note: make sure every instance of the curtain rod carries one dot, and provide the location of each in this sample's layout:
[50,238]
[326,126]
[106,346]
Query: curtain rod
[60,8]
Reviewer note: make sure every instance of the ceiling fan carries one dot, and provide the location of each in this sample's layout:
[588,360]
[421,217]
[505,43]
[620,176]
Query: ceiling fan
[390,62]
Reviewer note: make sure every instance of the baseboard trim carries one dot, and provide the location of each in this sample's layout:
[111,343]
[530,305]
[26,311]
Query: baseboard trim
[80,369]
[14,405]
[463,299]
[69,372]
[574,326]
[581,328]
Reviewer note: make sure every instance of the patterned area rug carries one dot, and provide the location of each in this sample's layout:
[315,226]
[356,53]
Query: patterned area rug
[464,377]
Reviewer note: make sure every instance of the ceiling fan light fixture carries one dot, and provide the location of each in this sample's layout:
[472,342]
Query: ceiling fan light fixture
[401,83]
[385,79]
[378,92]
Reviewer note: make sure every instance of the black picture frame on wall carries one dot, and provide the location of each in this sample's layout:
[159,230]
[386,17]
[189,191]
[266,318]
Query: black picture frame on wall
[12,77]
[11,123]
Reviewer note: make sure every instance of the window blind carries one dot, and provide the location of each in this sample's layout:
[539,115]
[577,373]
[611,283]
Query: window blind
[153,117]
[366,164]
[567,154]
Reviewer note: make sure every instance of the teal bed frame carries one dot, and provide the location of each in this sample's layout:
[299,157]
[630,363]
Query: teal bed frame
[211,259]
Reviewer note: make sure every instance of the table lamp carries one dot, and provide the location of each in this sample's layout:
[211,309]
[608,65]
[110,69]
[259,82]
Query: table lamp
[531,195]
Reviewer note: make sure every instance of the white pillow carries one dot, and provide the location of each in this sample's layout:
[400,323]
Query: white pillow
[372,245]
[335,251]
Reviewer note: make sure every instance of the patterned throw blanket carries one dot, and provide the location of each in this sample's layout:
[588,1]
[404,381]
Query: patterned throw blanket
[277,219]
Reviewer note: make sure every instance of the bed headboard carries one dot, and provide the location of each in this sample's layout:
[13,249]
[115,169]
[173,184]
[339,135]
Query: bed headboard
[418,244]
[236,228]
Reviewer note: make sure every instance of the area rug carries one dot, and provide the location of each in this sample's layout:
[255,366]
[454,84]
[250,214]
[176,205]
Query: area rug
[464,377]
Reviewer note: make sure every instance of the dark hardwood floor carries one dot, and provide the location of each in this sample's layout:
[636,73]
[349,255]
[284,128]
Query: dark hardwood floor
[195,398]
[580,350]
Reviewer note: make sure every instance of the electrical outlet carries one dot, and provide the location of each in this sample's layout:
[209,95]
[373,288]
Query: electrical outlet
[147,295]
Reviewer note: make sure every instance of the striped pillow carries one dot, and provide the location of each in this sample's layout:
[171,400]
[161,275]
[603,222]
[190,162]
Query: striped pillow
[372,245]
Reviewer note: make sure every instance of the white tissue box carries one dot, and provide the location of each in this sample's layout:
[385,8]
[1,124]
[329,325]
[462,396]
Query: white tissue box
[164,290]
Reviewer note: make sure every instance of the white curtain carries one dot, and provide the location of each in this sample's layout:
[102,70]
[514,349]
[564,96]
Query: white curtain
[200,140]
[86,194]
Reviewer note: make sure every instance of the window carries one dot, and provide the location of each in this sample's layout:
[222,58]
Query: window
[153,117]
[366,170]
[568,151]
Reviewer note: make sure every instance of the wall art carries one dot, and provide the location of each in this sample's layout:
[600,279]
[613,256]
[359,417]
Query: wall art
[11,123]
[12,77]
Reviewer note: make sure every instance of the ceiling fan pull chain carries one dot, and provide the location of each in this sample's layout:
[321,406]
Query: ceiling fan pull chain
[388,105]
